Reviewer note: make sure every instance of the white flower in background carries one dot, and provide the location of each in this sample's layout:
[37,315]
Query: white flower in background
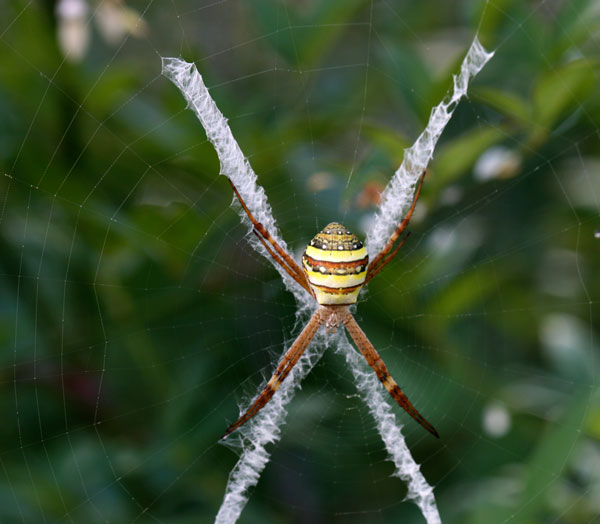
[73,31]
[114,20]
[496,419]
[497,162]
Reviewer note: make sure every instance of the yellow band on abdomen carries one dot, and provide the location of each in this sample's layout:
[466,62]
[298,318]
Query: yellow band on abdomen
[336,256]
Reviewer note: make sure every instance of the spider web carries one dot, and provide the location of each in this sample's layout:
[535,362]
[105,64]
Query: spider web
[395,200]
[135,317]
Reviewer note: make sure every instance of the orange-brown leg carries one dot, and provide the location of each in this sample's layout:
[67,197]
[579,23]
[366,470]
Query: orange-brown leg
[284,259]
[387,259]
[378,263]
[278,259]
[286,365]
[374,360]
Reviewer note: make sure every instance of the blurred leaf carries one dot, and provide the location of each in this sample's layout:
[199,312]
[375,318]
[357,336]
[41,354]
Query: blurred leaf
[489,20]
[410,84]
[465,292]
[509,104]
[548,461]
[303,38]
[553,451]
[561,90]
[458,155]
[388,140]
[575,22]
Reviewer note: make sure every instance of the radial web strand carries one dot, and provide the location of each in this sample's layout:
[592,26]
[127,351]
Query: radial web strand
[398,194]
[263,429]
[369,387]
[234,165]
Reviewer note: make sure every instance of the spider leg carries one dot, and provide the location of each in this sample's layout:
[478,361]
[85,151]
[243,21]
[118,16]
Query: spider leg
[378,263]
[286,365]
[374,360]
[387,259]
[284,259]
[282,263]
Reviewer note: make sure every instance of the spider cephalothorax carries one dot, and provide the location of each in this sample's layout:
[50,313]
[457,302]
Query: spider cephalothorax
[335,263]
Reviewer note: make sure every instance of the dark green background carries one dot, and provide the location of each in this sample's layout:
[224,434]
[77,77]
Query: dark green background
[134,316]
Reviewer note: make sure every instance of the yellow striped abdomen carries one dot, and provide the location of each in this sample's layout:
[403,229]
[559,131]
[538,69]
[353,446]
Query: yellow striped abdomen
[336,263]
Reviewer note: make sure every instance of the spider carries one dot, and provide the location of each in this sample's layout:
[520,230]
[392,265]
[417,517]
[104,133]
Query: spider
[335,267]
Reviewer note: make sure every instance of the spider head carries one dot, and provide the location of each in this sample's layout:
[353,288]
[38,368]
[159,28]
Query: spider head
[335,263]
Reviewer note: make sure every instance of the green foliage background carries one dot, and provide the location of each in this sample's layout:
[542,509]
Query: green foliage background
[134,316]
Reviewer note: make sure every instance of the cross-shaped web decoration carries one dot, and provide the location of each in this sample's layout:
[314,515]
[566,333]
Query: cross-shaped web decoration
[397,198]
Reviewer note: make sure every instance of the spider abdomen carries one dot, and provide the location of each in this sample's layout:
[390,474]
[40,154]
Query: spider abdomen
[335,263]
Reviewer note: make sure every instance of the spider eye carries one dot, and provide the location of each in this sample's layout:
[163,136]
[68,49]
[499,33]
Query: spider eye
[340,248]
[358,269]
[322,269]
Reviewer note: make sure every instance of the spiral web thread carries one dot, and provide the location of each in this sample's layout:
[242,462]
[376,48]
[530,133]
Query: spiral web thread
[265,427]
